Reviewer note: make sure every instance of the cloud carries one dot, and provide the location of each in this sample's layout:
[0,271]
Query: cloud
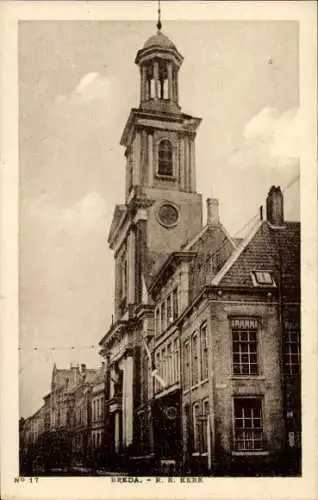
[270,139]
[91,87]
[89,214]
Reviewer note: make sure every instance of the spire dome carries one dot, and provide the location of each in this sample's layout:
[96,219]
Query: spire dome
[159,40]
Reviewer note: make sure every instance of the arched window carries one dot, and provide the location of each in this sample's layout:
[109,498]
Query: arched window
[165,166]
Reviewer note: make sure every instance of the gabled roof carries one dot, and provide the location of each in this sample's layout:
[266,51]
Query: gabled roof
[174,259]
[266,248]
[213,246]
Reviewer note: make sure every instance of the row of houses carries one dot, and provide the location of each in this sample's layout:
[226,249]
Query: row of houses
[68,429]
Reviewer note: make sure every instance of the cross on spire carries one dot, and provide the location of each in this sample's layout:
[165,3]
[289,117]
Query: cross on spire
[159,16]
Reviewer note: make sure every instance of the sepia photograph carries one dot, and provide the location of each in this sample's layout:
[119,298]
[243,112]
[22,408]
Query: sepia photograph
[160,298]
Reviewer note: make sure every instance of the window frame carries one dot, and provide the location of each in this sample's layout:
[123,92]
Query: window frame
[175,303]
[196,427]
[158,319]
[187,365]
[264,284]
[163,316]
[205,428]
[171,175]
[176,364]
[204,351]
[195,359]
[246,450]
[241,353]
[294,329]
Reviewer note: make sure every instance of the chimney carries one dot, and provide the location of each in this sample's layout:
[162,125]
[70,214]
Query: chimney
[212,205]
[275,206]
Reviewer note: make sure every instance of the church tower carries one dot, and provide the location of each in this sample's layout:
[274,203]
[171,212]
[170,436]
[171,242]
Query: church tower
[162,210]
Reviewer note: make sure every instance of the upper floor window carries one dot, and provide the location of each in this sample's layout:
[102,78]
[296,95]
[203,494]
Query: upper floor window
[204,351]
[157,320]
[165,157]
[166,312]
[175,303]
[291,347]
[176,360]
[163,316]
[244,341]
[244,338]
[187,365]
[169,363]
[195,359]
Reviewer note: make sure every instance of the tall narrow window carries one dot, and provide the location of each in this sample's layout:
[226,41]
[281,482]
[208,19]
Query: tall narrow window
[206,427]
[165,154]
[187,373]
[176,361]
[244,337]
[169,310]
[157,320]
[195,359]
[248,426]
[204,351]
[175,304]
[102,407]
[169,355]
[291,347]
[163,368]
[163,316]
[157,386]
[196,427]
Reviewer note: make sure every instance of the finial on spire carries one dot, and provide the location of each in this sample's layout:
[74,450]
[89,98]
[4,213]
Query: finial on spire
[159,17]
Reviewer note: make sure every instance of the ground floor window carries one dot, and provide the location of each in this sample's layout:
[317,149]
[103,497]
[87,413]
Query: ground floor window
[248,425]
[205,425]
[196,427]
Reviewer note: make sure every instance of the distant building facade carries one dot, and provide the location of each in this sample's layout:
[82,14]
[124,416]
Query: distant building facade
[59,434]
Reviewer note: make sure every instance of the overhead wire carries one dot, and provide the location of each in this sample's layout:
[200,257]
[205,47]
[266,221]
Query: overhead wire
[97,346]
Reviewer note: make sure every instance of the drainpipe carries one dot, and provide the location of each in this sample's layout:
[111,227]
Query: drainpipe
[281,332]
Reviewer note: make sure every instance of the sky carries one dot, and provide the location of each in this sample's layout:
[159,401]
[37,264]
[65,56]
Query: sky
[77,83]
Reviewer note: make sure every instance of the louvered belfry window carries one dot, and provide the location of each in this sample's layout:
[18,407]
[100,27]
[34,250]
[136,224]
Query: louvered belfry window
[165,153]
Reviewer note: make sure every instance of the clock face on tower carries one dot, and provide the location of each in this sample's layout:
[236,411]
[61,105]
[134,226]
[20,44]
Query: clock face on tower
[168,214]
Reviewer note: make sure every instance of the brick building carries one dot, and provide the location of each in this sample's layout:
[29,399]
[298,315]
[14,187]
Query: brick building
[203,355]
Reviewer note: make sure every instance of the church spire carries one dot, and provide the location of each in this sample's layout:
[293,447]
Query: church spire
[159,25]
[159,62]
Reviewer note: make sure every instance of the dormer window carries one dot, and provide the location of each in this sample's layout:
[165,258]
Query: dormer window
[262,278]
[165,158]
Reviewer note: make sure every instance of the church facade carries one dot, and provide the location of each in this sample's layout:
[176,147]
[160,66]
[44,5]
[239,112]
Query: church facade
[203,354]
